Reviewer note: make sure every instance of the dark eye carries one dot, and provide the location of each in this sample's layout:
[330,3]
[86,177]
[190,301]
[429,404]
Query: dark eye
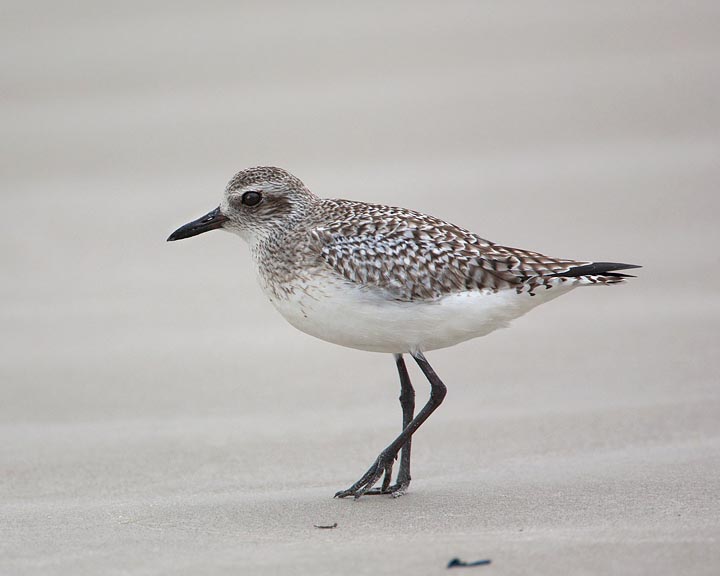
[251,198]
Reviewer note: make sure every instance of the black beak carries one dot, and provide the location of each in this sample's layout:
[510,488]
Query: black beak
[210,221]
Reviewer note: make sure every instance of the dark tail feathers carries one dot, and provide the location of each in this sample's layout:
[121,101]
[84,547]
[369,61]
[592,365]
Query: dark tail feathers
[599,269]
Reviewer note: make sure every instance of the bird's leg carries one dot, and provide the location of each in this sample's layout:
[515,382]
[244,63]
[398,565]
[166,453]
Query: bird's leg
[407,403]
[384,461]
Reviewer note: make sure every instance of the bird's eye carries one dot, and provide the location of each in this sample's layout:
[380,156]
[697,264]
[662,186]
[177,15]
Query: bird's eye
[251,198]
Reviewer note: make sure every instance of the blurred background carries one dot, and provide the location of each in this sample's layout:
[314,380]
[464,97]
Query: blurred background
[131,369]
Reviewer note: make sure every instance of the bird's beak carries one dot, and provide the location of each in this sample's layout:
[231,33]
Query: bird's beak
[210,221]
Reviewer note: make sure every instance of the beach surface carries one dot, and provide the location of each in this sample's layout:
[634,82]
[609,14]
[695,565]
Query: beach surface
[157,416]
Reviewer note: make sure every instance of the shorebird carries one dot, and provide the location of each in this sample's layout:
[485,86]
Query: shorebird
[385,279]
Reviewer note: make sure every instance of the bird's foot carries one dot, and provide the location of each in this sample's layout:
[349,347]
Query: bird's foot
[383,464]
[394,491]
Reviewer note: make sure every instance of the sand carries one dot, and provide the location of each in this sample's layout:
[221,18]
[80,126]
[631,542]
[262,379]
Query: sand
[158,417]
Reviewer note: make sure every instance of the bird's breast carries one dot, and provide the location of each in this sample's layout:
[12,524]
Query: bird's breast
[348,314]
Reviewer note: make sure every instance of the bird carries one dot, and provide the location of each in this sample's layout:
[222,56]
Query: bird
[385,279]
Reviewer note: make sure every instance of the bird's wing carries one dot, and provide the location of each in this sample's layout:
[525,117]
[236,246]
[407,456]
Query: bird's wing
[412,256]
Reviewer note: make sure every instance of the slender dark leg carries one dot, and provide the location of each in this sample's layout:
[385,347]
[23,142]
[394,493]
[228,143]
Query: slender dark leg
[385,459]
[407,403]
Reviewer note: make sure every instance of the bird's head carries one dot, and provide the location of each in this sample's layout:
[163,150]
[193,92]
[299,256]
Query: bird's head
[257,203]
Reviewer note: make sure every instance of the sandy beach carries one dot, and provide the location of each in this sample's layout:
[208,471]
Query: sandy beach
[157,416]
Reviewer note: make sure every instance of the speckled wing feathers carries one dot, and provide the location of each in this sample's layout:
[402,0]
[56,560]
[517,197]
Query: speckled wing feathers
[413,256]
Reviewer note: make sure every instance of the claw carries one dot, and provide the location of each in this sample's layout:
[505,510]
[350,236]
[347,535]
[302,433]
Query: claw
[383,464]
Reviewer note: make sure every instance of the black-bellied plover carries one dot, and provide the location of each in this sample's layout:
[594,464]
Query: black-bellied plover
[385,279]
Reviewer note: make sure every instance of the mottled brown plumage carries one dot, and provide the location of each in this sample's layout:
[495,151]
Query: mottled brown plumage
[414,256]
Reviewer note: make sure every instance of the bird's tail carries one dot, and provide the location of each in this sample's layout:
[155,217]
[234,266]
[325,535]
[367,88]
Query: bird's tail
[604,272]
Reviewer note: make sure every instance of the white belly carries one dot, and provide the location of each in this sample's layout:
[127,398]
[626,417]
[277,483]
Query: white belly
[348,315]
